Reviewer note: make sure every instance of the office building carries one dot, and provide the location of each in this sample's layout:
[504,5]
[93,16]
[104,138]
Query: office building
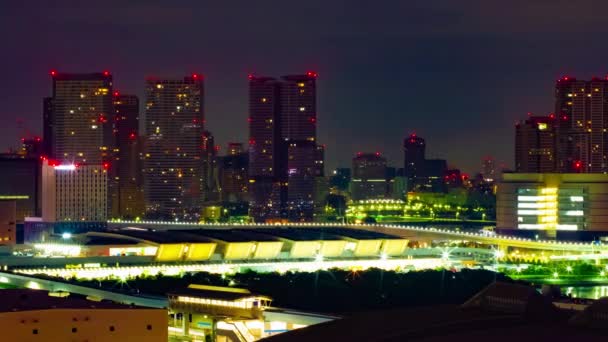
[20,180]
[549,203]
[432,177]
[582,119]
[414,148]
[368,177]
[536,140]
[78,126]
[174,125]
[126,181]
[36,315]
[72,192]
[282,146]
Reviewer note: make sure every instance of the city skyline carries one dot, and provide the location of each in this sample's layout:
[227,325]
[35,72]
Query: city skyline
[388,75]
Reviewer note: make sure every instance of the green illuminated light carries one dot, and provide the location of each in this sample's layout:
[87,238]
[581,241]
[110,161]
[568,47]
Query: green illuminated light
[13,197]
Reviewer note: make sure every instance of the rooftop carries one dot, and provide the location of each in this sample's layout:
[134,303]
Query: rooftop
[12,300]
[164,236]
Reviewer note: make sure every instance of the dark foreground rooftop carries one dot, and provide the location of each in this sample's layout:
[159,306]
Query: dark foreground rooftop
[500,313]
[12,300]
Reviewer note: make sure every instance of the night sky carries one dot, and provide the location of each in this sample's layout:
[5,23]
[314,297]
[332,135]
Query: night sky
[458,73]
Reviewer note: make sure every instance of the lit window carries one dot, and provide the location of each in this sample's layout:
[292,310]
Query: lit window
[302,109]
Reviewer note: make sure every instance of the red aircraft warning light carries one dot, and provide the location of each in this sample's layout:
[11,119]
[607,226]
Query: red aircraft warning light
[311,74]
[106,73]
[53,73]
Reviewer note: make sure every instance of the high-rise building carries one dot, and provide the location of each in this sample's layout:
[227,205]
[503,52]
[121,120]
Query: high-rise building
[209,168]
[78,128]
[173,169]
[125,181]
[414,156]
[581,116]
[488,169]
[432,177]
[320,161]
[72,192]
[368,177]
[48,126]
[283,148]
[536,145]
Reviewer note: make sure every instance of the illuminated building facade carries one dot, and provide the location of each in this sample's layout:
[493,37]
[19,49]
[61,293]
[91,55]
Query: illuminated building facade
[368,177]
[78,118]
[553,202]
[283,153]
[173,169]
[582,119]
[73,192]
[126,182]
[536,141]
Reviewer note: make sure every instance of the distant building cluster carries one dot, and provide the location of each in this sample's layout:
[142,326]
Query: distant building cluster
[572,139]
[107,155]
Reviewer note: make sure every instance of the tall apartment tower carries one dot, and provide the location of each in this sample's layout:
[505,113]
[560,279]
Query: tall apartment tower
[581,110]
[172,165]
[283,147]
[536,144]
[126,170]
[77,118]
[414,148]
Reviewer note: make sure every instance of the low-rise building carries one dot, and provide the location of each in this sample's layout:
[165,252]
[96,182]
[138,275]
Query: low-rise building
[35,315]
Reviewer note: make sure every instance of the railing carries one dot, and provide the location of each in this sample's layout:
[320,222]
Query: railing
[243,330]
